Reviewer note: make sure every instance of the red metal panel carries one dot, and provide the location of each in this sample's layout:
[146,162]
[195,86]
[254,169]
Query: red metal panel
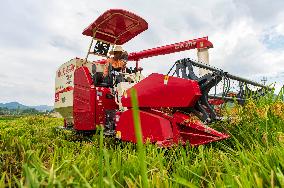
[103,104]
[186,129]
[166,130]
[84,99]
[216,101]
[159,91]
[154,127]
[116,26]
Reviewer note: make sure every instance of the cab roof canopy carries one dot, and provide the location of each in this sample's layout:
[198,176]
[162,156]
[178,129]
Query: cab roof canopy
[116,26]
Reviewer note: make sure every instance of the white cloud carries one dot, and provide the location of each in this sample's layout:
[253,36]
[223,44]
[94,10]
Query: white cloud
[36,37]
[280,29]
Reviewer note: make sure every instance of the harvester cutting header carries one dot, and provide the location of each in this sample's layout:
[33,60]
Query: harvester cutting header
[174,108]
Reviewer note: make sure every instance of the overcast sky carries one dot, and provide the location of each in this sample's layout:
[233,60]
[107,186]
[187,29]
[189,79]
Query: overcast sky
[37,36]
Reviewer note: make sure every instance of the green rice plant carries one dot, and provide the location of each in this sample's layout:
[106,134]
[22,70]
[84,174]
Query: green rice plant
[34,153]
[101,158]
[110,180]
[139,139]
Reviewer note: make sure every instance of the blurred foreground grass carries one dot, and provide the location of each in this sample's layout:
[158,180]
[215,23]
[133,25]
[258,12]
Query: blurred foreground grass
[33,153]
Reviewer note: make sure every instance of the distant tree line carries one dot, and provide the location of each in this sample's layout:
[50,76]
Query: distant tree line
[19,111]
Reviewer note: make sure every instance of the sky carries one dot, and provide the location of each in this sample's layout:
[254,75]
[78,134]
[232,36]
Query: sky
[37,36]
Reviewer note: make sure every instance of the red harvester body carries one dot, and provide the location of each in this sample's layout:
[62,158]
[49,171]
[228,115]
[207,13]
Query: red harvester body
[169,105]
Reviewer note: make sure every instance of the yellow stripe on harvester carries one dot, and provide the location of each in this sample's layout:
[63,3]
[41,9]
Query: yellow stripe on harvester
[125,94]
[166,79]
[118,134]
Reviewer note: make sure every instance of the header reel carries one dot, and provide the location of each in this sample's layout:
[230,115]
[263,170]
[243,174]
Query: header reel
[217,87]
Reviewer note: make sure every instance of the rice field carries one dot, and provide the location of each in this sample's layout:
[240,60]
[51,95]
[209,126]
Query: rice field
[34,153]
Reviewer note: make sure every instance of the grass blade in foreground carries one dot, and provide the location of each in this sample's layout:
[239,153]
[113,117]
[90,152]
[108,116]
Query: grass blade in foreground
[101,157]
[138,133]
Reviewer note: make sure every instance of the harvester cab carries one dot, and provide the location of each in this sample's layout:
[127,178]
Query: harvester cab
[114,27]
[174,108]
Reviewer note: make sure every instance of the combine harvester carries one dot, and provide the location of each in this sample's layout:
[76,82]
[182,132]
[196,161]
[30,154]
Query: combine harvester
[169,104]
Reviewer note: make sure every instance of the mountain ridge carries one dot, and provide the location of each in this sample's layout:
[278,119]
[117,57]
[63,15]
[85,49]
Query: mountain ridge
[16,105]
